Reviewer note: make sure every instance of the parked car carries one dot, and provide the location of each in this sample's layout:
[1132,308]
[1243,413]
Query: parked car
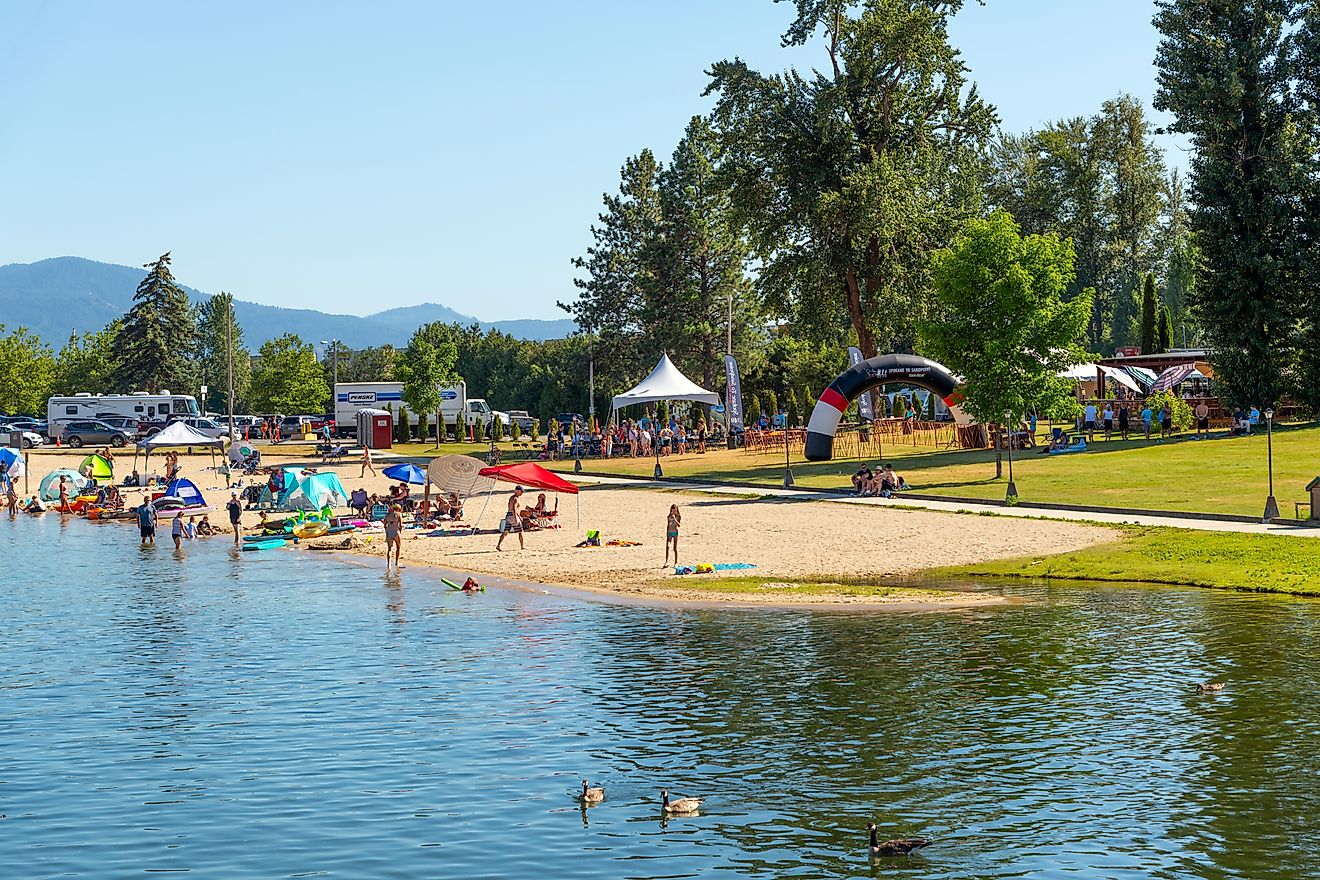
[208,427]
[89,432]
[31,439]
[566,420]
[296,426]
[126,424]
[523,420]
[36,426]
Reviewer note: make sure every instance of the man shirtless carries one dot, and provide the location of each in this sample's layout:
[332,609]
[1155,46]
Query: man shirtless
[512,522]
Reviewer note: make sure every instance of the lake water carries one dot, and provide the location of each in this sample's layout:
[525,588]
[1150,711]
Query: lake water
[279,714]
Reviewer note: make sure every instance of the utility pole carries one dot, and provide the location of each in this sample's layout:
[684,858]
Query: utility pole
[591,380]
[229,361]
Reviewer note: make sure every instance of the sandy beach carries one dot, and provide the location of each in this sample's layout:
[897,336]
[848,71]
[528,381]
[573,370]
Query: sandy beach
[787,539]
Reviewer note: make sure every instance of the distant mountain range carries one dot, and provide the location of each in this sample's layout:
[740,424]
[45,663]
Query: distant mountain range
[57,296]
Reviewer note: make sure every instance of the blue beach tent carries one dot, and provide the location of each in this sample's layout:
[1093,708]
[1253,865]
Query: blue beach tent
[186,491]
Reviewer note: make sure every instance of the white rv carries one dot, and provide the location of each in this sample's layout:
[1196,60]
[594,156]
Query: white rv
[140,405]
[353,396]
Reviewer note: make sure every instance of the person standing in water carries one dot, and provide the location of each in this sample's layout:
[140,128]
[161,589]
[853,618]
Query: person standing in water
[235,509]
[176,532]
[146,517]
[672,523]
[393,523]
[512,521]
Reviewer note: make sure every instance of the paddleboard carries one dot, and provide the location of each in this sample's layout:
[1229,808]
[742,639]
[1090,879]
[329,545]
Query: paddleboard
[269,544]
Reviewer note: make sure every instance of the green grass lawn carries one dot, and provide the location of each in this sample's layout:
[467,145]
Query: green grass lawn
[1212,476]
[1226,560]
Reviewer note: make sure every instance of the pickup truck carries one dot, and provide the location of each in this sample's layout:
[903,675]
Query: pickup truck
[479,411]
[523,420]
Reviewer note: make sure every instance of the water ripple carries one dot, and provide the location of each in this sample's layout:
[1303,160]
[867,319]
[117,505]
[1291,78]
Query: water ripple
[278,715]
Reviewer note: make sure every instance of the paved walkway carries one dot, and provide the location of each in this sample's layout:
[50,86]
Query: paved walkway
[964,507]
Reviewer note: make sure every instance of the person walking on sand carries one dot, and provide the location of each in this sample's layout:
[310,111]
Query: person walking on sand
[393,523]
[235,508]
[512,521]
[366,463]
[672,523]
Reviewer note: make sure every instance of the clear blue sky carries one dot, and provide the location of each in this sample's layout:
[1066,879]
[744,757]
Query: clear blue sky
[354,157]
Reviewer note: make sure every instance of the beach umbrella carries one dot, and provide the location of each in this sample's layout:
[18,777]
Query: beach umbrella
[13,459]
[406,473]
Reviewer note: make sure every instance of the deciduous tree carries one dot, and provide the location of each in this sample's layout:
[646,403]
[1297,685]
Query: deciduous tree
[287,378]
[848,179]
[27,372]
[214,336]
[1003,324]
[88,362]
[427,365]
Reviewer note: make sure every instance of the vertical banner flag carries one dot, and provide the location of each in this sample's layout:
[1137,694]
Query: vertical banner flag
[733,407]
[863,400]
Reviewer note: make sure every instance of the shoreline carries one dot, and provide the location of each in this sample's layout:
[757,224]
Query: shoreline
[954,600]
[798,548]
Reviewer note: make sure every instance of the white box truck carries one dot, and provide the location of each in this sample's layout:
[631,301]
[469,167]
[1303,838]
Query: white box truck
[353,396]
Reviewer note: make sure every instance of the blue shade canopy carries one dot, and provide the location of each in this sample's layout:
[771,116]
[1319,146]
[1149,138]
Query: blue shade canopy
[406,473]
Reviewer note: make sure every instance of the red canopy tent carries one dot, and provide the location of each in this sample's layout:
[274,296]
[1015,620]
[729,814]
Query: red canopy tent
[531,475]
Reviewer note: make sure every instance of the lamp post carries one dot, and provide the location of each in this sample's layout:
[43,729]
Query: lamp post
[655,428]
[1271,506]
[1011,494]
[788,471]
[334,395]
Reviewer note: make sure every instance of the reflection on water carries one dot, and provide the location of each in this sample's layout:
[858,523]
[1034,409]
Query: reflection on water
[279,714]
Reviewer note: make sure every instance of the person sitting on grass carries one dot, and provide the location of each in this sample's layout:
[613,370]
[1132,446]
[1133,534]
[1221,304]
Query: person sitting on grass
[862,480]
[890,481]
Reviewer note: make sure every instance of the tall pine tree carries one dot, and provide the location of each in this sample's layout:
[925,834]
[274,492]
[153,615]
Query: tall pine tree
[1150,309]
[1224,75]
[157,339]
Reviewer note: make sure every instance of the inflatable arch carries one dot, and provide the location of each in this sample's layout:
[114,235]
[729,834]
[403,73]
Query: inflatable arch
[859,379]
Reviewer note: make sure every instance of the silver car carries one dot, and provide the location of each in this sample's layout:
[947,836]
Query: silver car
[89,432]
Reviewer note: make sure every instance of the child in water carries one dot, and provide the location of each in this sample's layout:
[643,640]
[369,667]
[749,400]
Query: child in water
[672,524]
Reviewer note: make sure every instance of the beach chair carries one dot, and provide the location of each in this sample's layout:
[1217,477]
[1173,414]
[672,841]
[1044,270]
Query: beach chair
[378,513]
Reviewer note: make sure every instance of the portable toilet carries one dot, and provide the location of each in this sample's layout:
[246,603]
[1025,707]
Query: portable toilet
[375,428]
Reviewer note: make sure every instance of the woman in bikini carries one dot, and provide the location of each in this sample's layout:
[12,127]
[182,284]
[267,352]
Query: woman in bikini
[672,524]
[393,523]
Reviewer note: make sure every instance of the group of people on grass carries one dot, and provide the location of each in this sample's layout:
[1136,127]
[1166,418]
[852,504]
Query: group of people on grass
[882,483]
[640,438]
[1111,420]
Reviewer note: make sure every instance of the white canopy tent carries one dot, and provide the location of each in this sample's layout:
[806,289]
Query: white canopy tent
[1087,373]
[177,434]
[666,382]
